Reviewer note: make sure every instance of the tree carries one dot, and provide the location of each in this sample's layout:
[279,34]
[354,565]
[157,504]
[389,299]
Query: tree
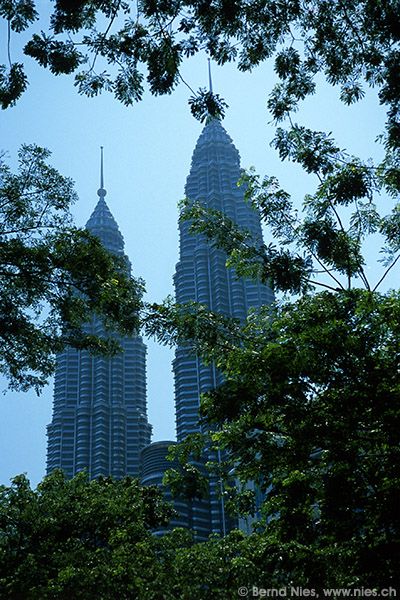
[309,409]
[310,412]
[54,276]
[350,43]
[83,539]
[80,539]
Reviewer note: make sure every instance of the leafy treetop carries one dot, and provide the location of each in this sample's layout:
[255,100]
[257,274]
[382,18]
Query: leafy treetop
[112,45]
[54,277]
[79,538]
[352,43]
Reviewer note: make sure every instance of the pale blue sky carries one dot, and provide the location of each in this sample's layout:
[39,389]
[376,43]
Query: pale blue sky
[147,153]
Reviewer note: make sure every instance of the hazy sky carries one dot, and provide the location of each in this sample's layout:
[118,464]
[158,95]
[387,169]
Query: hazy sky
[147,153]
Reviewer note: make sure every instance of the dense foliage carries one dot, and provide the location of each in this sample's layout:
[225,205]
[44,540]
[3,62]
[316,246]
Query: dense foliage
[79,539]
[351,43]
[310,410]
[53,276]
[92,539]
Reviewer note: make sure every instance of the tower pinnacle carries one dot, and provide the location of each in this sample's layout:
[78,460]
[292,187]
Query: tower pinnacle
[101,192]
[209,77]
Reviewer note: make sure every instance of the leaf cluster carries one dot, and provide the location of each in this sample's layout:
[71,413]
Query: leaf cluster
[190,324]
[12,84]
[309,410]
[79,538]
[59,57]
[351,44]
[324,244]
[20,13]
[54,277]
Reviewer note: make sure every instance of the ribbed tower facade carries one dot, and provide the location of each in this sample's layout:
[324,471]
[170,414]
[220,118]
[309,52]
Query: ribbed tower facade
[99,411]
[202,276]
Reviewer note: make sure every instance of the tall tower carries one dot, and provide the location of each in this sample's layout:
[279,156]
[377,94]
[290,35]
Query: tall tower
[99,411]
[201,276]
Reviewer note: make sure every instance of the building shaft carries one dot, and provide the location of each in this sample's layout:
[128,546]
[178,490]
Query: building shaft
[99,419]
[202,276]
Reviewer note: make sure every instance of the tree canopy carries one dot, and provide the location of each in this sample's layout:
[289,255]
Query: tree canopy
[351,43]
[310,411]
[116,46]
[54,276]
[79,539]
[84,539]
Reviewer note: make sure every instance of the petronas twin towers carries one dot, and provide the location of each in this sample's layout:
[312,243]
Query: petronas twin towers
[99,411]
[99,416]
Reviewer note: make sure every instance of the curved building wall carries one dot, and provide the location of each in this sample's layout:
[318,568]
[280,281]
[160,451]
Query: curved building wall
[99,410]
[201,276]
[154,464]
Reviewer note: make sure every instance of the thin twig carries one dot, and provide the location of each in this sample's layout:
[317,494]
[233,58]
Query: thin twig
[327,271]
[186,83]
[103,40]
[9,43]
[27,229]
[386,272]
[325,285]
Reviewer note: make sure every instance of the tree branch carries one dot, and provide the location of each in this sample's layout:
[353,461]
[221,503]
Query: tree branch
[386,272]
[104,37]
[9,42]
[325,285]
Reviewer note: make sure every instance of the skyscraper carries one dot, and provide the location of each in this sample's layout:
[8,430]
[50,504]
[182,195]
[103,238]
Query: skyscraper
[201,276]
[99,411]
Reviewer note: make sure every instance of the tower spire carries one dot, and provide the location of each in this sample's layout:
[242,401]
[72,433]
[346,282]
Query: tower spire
[209,76]
[101,191]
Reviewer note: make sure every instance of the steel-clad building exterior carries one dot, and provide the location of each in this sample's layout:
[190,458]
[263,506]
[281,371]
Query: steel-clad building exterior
[99,412]
[202,276]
